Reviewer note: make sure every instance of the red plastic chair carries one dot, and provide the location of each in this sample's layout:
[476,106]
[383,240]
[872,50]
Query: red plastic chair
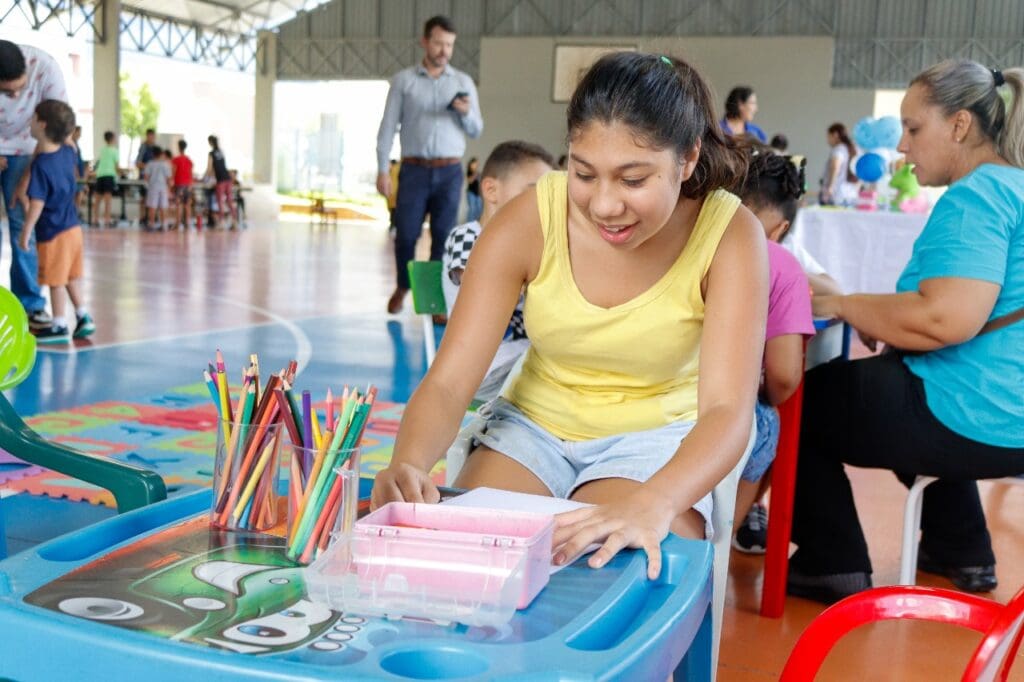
[780,511]
[1002,626]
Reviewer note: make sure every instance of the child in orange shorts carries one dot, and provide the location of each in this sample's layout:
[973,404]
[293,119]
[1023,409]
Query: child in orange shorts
[52,214]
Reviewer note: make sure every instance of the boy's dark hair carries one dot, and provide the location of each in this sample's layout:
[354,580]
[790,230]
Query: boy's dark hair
[150,131]
[667,105]
[775,181]
[182,145]
[737,96]
[508,156]
[212,139]
[58,118]
[108,136]
[157,152]
[779,142]
[439,21]
[12,61]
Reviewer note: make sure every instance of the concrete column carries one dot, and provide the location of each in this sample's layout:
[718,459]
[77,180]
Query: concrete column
[106,72]
[263,105]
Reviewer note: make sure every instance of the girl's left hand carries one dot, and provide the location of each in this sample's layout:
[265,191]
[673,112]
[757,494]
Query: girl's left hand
[640,520]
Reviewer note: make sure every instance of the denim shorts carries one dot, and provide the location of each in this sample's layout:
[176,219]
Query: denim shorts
[765,443]
[563,466]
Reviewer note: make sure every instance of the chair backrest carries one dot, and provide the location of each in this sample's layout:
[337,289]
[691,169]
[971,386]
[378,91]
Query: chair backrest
[1002,627]
[17,345]
[427,294]
[996,653]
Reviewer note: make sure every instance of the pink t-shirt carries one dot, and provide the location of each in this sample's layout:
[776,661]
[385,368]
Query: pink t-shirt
[789,297]
[45,81]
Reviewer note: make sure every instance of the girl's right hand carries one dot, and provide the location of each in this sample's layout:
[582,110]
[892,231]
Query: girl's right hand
[403,483]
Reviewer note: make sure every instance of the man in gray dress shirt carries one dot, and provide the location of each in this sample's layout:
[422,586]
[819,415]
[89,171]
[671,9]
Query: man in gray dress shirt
[433,107]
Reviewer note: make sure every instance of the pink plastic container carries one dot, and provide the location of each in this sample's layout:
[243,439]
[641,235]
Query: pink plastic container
[473,566]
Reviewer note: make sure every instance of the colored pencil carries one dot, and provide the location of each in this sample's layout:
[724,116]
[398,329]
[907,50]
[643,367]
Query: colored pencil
[329,414]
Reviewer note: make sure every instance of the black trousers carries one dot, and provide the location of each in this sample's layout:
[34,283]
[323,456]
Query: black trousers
[872,413]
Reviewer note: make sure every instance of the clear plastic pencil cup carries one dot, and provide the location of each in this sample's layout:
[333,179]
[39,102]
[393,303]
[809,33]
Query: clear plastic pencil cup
[245,477]
[323,498]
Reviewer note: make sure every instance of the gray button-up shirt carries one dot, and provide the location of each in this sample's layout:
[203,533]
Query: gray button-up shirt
[417,107]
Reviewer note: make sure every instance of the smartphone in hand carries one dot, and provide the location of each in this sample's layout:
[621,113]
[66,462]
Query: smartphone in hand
[458,95]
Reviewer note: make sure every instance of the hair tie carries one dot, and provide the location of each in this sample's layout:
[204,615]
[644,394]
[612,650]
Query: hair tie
[997,76]
[667,61]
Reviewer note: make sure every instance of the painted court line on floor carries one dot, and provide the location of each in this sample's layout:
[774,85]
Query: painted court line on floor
[304,348]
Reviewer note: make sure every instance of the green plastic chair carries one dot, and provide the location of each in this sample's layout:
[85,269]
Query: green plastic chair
[427,299]
[132,486]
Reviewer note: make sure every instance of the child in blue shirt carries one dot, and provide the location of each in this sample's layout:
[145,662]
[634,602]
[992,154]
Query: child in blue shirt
[52,214]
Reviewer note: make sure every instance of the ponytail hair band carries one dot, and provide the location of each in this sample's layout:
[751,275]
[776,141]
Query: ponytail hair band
[997,77]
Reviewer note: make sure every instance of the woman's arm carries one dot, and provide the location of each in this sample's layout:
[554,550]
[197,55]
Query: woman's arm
[943,312]
[736,304]
[732,344]
[504,258]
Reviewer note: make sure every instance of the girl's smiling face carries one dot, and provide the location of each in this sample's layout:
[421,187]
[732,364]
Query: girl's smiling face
[626,190]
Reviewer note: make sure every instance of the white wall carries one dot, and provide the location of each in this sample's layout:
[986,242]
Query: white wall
[790,75]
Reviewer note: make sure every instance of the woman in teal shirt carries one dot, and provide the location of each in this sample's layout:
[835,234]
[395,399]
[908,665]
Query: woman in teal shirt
[950,404]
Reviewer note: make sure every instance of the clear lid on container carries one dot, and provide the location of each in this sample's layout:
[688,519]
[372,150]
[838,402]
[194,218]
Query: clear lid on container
[472,566]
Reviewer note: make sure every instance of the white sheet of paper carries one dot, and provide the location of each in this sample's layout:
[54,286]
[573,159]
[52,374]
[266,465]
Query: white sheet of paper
[492,498]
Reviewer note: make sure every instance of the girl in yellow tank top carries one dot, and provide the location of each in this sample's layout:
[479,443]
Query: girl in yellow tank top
[646,290]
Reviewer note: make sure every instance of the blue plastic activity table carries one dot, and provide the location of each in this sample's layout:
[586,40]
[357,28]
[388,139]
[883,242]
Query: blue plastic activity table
[156,595]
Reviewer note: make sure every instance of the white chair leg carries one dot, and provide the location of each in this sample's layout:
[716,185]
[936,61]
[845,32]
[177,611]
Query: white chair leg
[724,497]
[429,343]
[911,526]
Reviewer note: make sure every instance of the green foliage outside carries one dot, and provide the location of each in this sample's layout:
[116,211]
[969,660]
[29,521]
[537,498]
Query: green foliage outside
[139,111]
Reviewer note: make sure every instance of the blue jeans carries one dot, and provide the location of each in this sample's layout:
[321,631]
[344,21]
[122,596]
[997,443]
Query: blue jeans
[765,443]
[474,206]
[424,191]
[24,264]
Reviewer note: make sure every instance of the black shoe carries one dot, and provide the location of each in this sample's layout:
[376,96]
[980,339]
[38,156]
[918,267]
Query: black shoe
[53,334]
[966,578]
[39,319]
[752,535]
[827,589]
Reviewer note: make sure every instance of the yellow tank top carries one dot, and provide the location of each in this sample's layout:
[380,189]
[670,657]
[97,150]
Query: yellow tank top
[593,372]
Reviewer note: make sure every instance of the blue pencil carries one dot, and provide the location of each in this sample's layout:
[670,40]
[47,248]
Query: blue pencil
[213,391]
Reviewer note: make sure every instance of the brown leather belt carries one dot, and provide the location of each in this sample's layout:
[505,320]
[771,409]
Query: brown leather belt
[431,163]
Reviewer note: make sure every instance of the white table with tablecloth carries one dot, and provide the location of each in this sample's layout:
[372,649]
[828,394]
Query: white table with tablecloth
[865,251]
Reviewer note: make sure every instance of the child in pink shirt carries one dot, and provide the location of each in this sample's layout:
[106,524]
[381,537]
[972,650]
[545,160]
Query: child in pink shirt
[772,189]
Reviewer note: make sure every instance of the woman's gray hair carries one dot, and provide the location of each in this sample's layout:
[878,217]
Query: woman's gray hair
[957,84]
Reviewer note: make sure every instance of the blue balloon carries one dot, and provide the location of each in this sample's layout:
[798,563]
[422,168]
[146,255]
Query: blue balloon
[864,133]
[877,133]
[870,167]
[888,131]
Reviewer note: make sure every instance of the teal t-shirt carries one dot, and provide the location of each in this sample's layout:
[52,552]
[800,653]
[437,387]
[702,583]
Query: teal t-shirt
[107,164]
[976,231]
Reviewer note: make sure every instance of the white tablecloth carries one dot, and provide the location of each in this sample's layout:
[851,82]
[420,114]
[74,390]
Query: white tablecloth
[864,251]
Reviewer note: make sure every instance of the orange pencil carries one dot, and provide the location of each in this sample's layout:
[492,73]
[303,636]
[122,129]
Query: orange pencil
[318,463]
[231,445]
[250,457]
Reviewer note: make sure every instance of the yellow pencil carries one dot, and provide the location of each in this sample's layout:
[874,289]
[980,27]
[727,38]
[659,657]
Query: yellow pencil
[254,478]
